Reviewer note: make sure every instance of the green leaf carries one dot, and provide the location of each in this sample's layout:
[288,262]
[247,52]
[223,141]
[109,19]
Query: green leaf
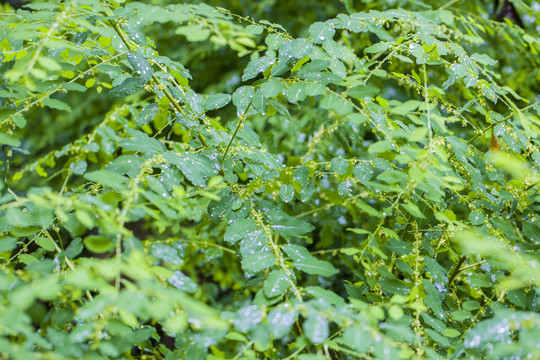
[363,91]
[147,114]
[276,284]
[236,231]
[274,41]
[477,217]
[272,88]
[316,329]
[296,92]
[140,65]
[98,244]
[394,286]
[301,174]
[254,29]
[413,210]
[483,59]
[418,134]
[356,338]
[330,297]
[339,165]
[217,101]
[286,192]
[128,87]
[321,31]
[404,59]
[56,104]
[345,189]
[393,177]
[193,33]
[78,167]
[292,227]
[336,103]
[183,282]
[49,64]
[104,177]
[358,231]
[7,244]
[363,171]
[399,247]
[8,139]
[257,66]
[141,142]
[368,209]
[376,48]
[379,147]
[242,98]
[197,168]
[295,49]
[305,262]
[418,52]
[438,338]
[280,320]
[406,107]
[257,262]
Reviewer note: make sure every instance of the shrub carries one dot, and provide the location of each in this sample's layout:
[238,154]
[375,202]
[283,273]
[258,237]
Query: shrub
[183,182]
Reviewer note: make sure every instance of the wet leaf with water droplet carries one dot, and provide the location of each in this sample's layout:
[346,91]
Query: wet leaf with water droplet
[295,49]
[242,98]
[78,167]
[197,168]
[477,218]
[321,31]
[183,282]
[276,284]
[217,101]
[236,231]
[280,321]
[286,192]
[272,88]
[291,227]
[147,114]
[167,253]
[301,174]
[316,328]
[257,262]
[345,189]
[356,338]
[363,171]
[140,65]
[127,87]
[339,165]
[296,92]
[418,52]
[259,102]
[257,66]
[307,191]
[247,318]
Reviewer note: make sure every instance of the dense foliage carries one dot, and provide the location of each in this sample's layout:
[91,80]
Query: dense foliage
[188,182]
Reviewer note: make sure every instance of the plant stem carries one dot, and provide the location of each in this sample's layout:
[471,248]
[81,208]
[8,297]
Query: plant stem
[456,269]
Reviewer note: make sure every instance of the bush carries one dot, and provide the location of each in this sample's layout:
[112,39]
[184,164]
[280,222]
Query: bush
[181,182]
